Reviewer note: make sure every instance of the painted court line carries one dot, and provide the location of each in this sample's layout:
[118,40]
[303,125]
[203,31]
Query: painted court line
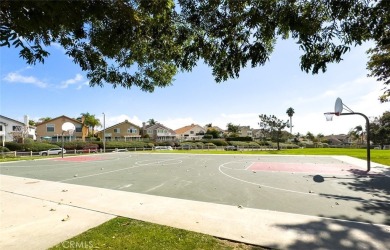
[116,170]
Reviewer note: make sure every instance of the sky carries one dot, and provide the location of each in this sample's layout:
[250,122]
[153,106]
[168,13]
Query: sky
[59,87]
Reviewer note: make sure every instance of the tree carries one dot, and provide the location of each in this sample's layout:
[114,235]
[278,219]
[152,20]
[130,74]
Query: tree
[31,122]
[44,119]
[380,129]
[310,136]
[233,129]
[290,112]
[272,126]
[379,63]
[90,121]
[145,43]
[107,39]
[320,137]
[152,122]
[213,133]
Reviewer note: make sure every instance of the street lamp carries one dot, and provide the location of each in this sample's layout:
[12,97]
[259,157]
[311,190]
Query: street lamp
[104,132]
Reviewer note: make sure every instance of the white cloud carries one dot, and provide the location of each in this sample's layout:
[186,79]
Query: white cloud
[176,123]
[15,77]
[75,80]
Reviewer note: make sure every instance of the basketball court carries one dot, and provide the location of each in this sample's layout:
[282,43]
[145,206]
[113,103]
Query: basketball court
[335,188]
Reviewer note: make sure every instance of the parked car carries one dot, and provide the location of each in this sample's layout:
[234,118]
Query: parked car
[163,148]
[52,151]
[231,148]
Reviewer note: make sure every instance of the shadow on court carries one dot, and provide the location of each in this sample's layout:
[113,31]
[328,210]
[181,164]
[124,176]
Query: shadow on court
[336,235]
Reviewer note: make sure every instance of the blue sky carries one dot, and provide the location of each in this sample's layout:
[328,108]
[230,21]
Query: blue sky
[59,87]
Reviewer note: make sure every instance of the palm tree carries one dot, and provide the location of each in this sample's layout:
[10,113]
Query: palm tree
[290,112]
[359,132]
[91,121]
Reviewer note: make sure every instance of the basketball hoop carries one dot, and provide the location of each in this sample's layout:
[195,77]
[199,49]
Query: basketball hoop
[67,127]
[339,106]
[329,116]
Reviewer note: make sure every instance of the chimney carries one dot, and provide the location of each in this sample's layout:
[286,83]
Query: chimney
[26,121]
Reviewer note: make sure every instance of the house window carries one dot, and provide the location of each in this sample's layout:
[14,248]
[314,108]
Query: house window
[132,131]
[117,130]
[191,132]
[50,128]
[150,131]
[16,128]
[79,128]
[1,127]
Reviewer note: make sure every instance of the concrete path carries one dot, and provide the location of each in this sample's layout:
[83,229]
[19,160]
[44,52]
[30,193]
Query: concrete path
[38,214]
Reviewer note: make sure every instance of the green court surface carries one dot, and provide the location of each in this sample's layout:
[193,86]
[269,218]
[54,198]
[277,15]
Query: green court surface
[325,186]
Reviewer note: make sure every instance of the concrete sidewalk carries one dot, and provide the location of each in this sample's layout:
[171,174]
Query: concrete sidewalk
[38,214]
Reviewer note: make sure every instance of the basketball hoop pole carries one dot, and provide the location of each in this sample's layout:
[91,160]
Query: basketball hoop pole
[368,137]
[62,150]
[338,108]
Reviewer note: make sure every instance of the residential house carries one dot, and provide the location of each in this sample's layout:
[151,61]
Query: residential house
[124,131]
[256,133]
[13,130]
[51,130]
[158,132]
[340,139]
[245,131]
[190,132]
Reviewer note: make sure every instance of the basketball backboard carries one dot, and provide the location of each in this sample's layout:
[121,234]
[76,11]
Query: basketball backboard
[68,126]
[338,107]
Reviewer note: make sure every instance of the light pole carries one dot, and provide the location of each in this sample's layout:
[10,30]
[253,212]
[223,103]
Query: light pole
[104,132]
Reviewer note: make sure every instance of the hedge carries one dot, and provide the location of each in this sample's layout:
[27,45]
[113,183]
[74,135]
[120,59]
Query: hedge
[246,138]
[4,149]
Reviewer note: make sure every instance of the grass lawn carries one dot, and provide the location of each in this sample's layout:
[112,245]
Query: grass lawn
[378,156]
[124,233]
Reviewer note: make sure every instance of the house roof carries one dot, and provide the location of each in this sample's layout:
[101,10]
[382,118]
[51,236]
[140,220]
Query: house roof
[21,123]
[62,116]
[7,118]
[157,126]
[118,124]
[187,128]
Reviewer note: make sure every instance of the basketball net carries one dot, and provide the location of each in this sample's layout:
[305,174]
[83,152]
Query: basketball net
[329,116]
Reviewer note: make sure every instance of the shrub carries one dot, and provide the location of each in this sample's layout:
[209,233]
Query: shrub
[14,146]
[4,149]
[244,138]
[216,142]
[130,144]
[209,145]
[166,143]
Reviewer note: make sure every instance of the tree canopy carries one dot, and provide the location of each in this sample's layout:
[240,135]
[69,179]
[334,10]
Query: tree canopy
[380,129]
[232,129]
[272,126]
[144,43]
[90,121]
